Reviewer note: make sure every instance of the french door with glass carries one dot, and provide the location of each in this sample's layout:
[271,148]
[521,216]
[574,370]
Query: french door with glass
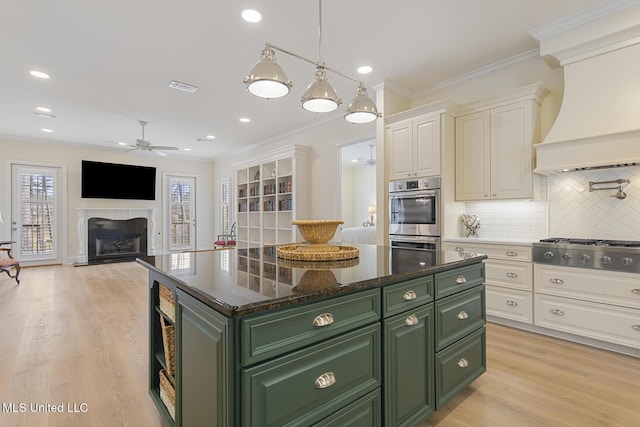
[36,219]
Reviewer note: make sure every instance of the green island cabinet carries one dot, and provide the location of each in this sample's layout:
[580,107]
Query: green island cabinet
[383,355]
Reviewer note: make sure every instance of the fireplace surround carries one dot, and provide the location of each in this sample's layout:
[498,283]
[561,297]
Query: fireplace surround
[115,234]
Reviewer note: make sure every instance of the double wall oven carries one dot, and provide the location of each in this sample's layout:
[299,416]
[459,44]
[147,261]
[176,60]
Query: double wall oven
[414,214]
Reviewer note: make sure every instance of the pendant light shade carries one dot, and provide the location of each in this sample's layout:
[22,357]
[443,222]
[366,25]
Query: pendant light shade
[320,96]
[267,79]
[361,109]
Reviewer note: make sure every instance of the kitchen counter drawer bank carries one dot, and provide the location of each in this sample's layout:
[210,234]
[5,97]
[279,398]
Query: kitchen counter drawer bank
[307,346]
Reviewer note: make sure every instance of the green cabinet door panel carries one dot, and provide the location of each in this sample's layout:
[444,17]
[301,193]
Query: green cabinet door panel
[454,281]
[458,315]
[306,386]
[409,394]
[364,412]
[459,365]
[203,384]
[275,333]
[404,296]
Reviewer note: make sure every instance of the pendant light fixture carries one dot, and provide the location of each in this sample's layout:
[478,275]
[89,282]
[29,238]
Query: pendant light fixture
[268,80]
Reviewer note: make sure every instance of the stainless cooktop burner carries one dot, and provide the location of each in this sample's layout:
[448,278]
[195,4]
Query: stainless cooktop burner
[613,255]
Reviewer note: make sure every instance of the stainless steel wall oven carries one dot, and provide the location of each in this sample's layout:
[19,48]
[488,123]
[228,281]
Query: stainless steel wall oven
[414,214]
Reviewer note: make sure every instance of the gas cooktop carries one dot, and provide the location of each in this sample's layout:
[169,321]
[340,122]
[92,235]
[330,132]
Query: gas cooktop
[592,242]
[613,255]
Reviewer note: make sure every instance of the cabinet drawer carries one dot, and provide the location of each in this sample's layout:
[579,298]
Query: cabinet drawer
[406,295]
[618,325]
[459,365]
[364,412]
[493,251]
[458,315]
[509,304]
[451,282]
[268,335]
[609,287]
[306,386]
[509,274]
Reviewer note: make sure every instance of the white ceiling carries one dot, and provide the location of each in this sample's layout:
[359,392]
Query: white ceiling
[111,62]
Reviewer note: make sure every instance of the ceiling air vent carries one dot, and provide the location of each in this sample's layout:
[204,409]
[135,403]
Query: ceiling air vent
[183,86]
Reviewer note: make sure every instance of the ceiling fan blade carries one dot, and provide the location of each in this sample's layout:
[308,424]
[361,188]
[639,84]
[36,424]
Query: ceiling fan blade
[162,147]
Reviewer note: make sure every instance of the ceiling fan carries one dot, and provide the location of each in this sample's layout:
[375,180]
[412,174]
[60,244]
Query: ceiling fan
[370,161]
[144,145]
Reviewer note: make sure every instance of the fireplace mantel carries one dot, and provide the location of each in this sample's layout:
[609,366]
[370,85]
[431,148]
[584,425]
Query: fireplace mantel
[115,213]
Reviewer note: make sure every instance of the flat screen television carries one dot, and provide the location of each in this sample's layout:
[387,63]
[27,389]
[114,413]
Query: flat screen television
[117,181]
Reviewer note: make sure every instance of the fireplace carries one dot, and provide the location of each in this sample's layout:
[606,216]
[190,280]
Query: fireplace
[116,234]
[112,240]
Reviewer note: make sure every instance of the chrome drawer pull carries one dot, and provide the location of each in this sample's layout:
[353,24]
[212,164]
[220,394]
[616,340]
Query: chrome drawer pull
[463,363]
[463,315]
[511,303]
[325,380]
[556,312]
[511,253]
[510,274]
[556,281]
[461,279]
[409,295]
[411,320]
[459,249]
[323,319]
[636,328]
[635,291]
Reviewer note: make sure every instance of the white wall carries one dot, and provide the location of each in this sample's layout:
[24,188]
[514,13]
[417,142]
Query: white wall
[362,188]
[69,156]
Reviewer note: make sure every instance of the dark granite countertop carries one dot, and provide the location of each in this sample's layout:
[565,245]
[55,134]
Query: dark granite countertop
[238,282]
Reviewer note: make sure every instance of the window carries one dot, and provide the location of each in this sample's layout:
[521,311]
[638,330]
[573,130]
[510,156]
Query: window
[225,206]
[37,213]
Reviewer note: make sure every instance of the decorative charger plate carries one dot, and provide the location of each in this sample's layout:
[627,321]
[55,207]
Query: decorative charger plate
[318,252]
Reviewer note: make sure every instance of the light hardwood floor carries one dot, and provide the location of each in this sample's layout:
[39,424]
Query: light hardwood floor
[79,335]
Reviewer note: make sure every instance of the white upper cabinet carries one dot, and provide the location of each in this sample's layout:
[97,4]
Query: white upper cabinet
[414,147]
[494,150]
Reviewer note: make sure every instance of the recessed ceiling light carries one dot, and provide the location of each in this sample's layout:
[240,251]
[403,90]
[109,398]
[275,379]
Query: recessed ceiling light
[46,130]
[245,119]
[365,69]
[45,115]
[122,143]
[211,137]
[43,109]
[251,15]
[39,74]
[187,149]
[185,87]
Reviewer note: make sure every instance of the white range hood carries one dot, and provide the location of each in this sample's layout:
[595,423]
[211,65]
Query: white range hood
[599,120]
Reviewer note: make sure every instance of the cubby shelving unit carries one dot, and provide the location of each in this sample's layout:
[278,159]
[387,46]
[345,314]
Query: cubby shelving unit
[270,194]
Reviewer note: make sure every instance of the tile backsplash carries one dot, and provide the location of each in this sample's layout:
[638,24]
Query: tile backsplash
[574,211]
[511,219]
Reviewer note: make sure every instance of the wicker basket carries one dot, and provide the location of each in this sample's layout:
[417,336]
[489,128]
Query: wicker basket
[166,303]
[317,231]
[168,394]
[169,343]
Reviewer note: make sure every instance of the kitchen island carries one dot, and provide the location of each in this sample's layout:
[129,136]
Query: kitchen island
[263,341]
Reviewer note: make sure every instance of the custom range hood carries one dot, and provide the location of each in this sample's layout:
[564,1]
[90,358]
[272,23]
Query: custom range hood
[599,120]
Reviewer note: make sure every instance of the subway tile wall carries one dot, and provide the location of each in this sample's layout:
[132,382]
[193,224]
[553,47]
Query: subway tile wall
[511,219]
[574,211]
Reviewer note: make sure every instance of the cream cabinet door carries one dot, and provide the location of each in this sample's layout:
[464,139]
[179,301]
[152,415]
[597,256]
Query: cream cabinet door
[400,143]
[473,156]
[511,151]
[426,145]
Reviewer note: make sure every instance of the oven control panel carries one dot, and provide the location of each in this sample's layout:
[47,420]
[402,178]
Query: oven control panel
[428,183]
